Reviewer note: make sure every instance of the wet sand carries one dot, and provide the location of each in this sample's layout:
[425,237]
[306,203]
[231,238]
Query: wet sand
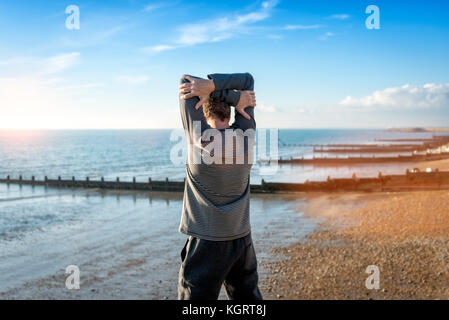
[406,235]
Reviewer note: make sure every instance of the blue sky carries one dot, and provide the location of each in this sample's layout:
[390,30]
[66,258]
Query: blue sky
[315,63]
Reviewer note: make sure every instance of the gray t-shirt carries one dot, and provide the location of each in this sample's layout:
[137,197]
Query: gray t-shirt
[216,201]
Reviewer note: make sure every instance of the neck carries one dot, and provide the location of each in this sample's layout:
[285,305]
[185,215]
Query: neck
[218,124]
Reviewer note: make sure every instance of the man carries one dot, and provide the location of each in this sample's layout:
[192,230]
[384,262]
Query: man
[215,212]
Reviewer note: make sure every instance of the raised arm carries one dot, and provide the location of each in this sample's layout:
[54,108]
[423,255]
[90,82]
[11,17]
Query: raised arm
[232,97]
[233,81]
[228,84]
[190,114]
[233,88]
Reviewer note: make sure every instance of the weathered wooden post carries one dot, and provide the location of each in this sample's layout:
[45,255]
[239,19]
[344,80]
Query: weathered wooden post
[8,178]
[150,184]
[438,178]
[381,180]
[20,178]
[32,180]
[354,178]
[134,183]
[329,183]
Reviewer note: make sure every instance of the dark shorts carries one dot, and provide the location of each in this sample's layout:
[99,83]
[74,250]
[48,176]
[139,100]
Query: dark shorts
[206,265]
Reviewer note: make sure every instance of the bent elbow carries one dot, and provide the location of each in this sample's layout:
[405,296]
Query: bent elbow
[250,81]
[183,79]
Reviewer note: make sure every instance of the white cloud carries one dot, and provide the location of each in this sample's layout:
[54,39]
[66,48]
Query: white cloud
[153,6]
[342,16]
[217,29]
[138,79]
[274,36]
[408,96]
[158,48]
[327,35]
[60,62]
[32,66]
[262,107]
[301,27]
[158,5]
[95,35]
[106,34]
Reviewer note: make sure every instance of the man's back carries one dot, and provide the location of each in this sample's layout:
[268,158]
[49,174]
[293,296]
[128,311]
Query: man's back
[217,195]
[221,183]
[215,215]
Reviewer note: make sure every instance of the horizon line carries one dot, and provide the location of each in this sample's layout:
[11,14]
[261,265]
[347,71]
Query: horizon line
[174,128]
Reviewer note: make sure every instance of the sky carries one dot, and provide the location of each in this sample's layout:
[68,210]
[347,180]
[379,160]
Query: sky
[315,63]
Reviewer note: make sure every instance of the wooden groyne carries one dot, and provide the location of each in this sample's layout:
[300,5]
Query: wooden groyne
[408,130]
[409,181]
[348,161]
[415,148]
[150,185]
[371,150]
[414,139]
[362,145]
[390,148]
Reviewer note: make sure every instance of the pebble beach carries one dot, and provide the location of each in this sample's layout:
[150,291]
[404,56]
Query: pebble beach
[405,235]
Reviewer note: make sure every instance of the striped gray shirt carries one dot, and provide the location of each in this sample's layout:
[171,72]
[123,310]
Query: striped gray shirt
[216,202]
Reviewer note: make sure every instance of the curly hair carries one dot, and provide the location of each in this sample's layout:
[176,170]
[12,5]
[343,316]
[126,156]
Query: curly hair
[214,108]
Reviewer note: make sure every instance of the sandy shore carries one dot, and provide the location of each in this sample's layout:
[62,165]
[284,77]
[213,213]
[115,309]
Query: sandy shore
[406,235]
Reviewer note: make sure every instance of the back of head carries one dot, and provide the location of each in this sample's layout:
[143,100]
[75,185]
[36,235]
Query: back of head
[217,109]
